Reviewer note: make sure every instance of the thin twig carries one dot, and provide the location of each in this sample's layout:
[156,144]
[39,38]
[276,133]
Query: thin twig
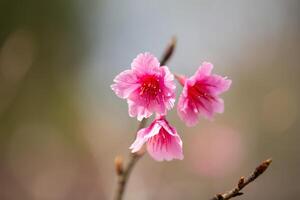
[124,173]
[243,182]
[168,51]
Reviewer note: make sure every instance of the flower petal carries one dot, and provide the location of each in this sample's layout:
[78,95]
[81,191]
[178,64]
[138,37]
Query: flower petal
[216,84]
[139,141]
[170,150]
[139,111]
[187,112]
[125,83]
[143,135]
[204,70]
[145,62]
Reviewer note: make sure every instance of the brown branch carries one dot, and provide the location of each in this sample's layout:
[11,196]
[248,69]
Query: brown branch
[168,51]
[243,182]
[124,173]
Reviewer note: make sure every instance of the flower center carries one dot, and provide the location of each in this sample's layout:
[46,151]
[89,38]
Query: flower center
[161,140]
[198,91]
[149,87]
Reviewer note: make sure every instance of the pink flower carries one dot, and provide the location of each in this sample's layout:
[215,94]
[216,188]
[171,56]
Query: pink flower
[147,87]
[163,142]
[200,95]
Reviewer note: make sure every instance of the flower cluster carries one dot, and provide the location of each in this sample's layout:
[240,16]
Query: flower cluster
[150,89]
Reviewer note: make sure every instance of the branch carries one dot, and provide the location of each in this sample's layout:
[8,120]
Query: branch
[243,182]
[168,51]
[124,173]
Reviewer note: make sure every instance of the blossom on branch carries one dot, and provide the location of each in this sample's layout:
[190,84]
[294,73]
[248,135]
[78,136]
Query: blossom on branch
[147,87]
[163,141]
[200,94]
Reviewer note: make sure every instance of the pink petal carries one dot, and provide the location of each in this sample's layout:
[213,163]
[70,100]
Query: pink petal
[160,107]
[216,84]
[218,105]
[206,109]
[139,141]
[125,83]
[171,150]
[169,88]
[204,70]
[187,112]
[135,110]
[168,78]
[145,62]
[143,135]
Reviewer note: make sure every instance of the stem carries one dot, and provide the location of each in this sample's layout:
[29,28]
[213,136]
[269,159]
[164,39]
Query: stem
[123,177]
[243,182]
[124,174]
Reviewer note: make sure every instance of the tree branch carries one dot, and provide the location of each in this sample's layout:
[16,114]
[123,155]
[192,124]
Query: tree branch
[124,173]
[243,182]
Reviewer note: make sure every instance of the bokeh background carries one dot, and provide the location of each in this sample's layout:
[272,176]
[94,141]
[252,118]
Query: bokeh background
[61,125]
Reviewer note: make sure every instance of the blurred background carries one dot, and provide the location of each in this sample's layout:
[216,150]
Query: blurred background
[61,125]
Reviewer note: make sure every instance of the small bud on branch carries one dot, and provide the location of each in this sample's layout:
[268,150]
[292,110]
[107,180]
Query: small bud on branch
[241,182]
[119,165]
[261,168]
